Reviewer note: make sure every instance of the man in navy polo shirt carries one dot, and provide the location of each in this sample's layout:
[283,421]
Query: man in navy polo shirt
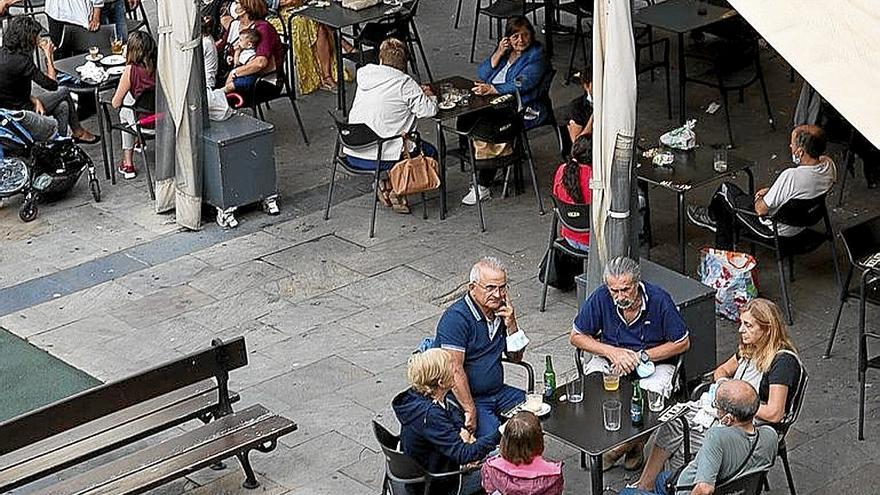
[476,330]
[628,321]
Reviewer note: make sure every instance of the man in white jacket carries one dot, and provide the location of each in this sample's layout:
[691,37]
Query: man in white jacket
[85,13]
[389,101]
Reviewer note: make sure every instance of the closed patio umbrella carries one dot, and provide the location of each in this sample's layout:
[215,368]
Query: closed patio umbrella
[181,98]
[614,122]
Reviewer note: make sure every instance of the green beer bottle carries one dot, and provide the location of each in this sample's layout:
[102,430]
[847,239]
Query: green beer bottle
[549,378]
[636,409]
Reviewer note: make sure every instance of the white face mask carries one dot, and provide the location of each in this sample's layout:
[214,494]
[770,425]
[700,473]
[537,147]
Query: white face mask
[795,159]
[589,98]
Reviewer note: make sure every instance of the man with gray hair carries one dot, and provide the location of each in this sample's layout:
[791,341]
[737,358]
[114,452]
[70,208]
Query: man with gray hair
[477,330]
[628,321]
[731,449]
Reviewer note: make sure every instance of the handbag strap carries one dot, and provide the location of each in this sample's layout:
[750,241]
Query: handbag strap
[405,147]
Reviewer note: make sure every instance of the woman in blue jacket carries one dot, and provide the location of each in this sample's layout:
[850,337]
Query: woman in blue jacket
[432,431]
[518,57]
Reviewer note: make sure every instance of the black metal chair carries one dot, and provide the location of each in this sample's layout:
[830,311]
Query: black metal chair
[77,39]
[402,26]
[137,17]
[575,218]
[360,136]
[503,126]
[143,128]
[806,213]
[544,98]
[735,65]
[403,470]
[861,242]
[272,87]
[498,10]
[644,40]
[582,10]
[792,411]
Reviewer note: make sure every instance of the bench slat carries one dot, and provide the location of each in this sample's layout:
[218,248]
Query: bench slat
[103,400]
[40,459]
[157,464]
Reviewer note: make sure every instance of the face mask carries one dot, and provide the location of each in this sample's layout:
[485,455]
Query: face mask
[795,159]
[589,98]
[235,10]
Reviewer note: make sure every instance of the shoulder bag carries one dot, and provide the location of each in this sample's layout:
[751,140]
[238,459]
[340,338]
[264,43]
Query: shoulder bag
[413,174]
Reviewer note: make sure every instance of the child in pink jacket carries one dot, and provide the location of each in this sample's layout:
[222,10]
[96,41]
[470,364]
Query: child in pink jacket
[520,469]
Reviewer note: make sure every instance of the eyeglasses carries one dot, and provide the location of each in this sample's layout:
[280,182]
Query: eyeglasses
[493,288]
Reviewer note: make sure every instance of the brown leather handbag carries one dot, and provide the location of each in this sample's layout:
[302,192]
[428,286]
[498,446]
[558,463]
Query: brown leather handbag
[413,174]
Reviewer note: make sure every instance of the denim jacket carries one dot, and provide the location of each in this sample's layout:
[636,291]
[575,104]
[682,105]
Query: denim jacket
[530,66]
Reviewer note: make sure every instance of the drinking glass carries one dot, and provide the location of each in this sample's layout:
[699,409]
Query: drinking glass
[116,46]
[574,386]
[446,91]
[611,414]
[610,381]
[720,160]
[655,401]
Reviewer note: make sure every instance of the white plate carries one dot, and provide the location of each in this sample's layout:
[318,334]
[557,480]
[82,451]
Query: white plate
[97,57]
[113,60]
[545,408]
[446,105]
[115,71]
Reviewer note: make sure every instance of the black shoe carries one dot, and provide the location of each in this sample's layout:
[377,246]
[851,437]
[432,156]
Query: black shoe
[699,215]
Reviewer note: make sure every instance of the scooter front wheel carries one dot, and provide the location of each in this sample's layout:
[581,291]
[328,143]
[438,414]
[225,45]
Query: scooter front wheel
[28,211]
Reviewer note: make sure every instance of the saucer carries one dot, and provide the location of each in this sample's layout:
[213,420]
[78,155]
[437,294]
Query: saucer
[113,60]
[97,57]
[543,411]
[446,105]
[115,71]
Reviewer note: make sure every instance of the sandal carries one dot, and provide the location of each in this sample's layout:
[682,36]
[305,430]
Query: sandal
[384,193]
[399,204]
[83,140]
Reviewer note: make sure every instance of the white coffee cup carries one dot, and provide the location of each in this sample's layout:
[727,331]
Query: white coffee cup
[533,402]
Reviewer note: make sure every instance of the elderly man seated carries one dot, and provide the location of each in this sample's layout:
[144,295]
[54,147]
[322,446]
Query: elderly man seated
[625,324]
[477,330]
[732,449]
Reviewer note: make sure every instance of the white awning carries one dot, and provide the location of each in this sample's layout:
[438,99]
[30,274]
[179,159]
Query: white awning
[834,45]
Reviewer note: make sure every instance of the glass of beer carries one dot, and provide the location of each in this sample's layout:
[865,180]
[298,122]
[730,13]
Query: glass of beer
[116,46]
[610,381]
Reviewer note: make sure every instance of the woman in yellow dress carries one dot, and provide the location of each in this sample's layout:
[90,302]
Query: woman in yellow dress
[312,44]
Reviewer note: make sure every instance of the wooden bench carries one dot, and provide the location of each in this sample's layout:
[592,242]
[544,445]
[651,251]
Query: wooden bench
[102,419]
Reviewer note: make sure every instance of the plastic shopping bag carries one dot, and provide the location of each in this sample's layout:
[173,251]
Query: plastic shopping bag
[734,277]
[681,138]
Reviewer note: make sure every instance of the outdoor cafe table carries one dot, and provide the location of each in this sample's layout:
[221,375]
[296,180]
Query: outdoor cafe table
[581,425]
[680,17]
[445,119]
[690,170]
[337,17]
[68,66]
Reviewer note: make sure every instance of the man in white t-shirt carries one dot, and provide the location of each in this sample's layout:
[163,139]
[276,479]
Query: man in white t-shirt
[812,176]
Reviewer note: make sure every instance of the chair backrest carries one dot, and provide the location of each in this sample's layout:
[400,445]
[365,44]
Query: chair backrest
[802,212]
[574,217]
[354,135]
[77,39]
[146,102]
[750,484]
[398,466]
[861,240]
[796,400]
[502,126]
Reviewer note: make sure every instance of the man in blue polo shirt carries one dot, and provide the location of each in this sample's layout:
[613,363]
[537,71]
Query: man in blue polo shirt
[476,330]
[628,321]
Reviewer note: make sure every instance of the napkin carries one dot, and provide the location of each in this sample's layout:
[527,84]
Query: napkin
[92,73]
[660,382]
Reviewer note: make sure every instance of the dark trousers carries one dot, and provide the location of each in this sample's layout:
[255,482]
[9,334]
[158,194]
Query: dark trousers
[726,199]
[485,176]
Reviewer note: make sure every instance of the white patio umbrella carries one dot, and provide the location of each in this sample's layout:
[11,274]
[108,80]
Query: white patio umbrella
[614,122]
[181,98]
[833,44]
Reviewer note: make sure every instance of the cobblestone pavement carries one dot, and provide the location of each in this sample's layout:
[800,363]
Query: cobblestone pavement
[330,315]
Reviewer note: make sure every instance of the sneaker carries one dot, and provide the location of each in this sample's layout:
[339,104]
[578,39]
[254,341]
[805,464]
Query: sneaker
[471,198]
[699,215]
[127,170]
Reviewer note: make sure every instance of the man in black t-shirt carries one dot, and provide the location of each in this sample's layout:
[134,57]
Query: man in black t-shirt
[580,119]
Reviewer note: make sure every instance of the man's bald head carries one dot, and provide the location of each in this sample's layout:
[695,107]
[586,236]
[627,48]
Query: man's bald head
[809,138]
[739,399]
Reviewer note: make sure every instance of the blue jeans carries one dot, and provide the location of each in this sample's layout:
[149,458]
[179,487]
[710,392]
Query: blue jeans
[489,407]
[659,486]
[365,164]
[115,13]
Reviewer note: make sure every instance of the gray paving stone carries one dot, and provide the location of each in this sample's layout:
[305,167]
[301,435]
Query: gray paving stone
[162,305]
[230,482]
[317,343]
[369,470]
[312,251]
[311,268]
[386,286]
[333,484]
[331,412]
[239,278]
[236,309]
[240,249]
[94,329]
[313,381]
[454,261]
[294,318]
[391,316]
[181,334]
[260,368]
[309,463]
[257,335]
[175,272]
[394,252]
[375,392]
[390,350]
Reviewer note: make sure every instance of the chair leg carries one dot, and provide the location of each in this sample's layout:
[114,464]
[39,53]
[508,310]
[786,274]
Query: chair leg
[583,460]
[375,201]
[424,207]
[302,128]
[546,279]
[791,268]
[250,480]
[476,25]
[862,386]
[770,118]
[574,45]
[784,286]
[150,186]
[528,151]
[479,203]
[726,104]
[457,14]
[783,453]
[504,189]
[846,161]
[668,87]
[332,182]
[834,326]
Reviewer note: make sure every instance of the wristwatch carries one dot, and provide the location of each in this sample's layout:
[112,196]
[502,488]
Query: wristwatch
[643,356]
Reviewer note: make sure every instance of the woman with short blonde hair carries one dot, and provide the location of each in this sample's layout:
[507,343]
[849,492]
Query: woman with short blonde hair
[431,430]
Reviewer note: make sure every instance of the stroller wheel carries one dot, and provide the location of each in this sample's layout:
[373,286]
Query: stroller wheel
[96,190]
[28,210]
